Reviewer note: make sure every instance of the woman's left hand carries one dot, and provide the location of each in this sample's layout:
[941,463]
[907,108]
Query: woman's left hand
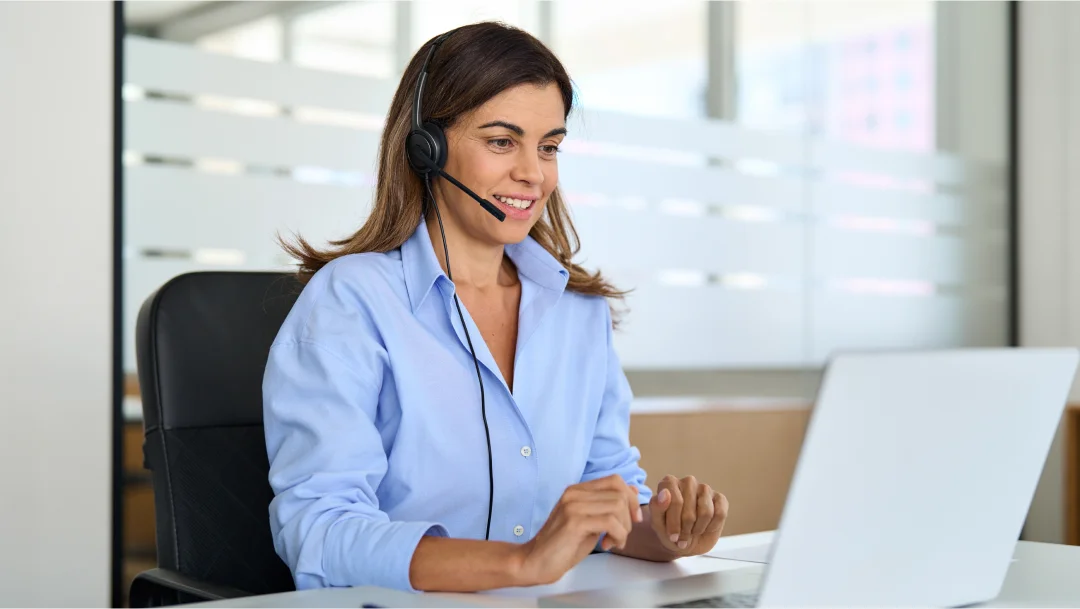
[688,516]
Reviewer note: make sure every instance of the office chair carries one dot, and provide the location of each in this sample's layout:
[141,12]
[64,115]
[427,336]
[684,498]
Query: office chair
[202,341]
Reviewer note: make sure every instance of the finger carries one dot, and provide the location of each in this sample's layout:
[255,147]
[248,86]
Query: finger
[597,502]
[720,512]
[616,483]
[612,482]
[660,501]
[614,531]
[657,510]
[673,516]
[631,493]
[704,509]
[625,518]
[575,491]
[594,493]
[688,514]
[601,503]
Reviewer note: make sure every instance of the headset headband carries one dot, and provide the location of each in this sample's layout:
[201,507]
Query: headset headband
[417,118]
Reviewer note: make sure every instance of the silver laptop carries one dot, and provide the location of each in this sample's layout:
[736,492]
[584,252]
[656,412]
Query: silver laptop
[913,483]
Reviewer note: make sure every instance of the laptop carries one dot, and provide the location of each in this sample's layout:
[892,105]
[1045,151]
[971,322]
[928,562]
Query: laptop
[913,482]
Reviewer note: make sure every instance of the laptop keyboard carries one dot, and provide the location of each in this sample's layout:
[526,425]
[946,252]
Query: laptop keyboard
[735,599]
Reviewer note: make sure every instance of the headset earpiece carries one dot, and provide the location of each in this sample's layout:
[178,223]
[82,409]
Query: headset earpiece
[428,142]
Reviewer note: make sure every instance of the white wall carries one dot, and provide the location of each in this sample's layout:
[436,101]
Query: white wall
[1049,103]
[55,302]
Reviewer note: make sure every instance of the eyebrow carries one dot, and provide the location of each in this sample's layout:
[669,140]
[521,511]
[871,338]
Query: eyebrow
[519,130]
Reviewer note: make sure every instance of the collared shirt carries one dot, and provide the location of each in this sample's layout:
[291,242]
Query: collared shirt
[373,423]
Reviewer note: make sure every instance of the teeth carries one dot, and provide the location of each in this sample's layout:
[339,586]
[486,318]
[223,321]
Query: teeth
[518,203]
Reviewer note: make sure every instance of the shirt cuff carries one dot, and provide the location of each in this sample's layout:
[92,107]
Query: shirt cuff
[376,554]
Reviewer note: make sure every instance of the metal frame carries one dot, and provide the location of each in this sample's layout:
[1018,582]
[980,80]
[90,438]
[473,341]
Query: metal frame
[1013,158]
[117,554]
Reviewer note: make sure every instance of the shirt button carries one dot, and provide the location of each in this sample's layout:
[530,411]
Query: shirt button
[525,451]
[519,530]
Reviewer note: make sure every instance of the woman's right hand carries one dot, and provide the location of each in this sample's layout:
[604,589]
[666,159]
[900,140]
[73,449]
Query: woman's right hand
[607,506]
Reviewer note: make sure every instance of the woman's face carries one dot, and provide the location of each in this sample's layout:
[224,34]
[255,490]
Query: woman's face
[505,151]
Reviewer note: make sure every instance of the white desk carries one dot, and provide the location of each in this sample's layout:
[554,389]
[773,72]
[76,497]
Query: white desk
[1043,575]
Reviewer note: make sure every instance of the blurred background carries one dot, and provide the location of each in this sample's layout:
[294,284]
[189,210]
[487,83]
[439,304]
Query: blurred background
[776,181]
[801,177]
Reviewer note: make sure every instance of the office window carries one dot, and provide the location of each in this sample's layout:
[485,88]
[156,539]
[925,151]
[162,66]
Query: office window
[852,193]
[638,57]
[919,259]
[432,17]
[355,37]
[260,40]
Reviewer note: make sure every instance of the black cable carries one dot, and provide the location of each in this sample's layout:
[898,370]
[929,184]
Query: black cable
[476,362]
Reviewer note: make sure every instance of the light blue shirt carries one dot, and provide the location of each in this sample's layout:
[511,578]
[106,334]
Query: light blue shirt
[373,423]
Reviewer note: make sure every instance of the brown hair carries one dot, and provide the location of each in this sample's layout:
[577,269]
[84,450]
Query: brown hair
[474,64]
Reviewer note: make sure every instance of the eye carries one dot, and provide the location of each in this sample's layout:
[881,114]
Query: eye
[502,143]
[550,150]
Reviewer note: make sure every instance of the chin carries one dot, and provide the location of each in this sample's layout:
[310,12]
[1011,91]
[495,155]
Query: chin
[514,230]
[510,234]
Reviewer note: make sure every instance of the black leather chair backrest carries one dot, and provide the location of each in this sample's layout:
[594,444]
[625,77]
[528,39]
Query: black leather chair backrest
[202,342]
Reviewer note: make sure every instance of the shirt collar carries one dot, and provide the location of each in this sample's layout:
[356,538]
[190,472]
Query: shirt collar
[535,263]
[422,268]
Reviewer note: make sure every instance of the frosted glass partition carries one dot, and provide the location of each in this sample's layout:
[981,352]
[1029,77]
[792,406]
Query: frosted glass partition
[744,248]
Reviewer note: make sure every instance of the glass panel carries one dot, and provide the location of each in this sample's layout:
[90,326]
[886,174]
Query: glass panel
[860,176]
[432,17]
[355,37]
[645,58]
[860,72]
[260,39]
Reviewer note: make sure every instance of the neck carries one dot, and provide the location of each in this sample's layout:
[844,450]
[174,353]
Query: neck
[475,265]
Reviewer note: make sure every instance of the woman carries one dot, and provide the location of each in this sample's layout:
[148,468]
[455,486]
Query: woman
[464,426]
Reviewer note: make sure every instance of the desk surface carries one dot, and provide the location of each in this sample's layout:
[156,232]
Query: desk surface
[1043,575]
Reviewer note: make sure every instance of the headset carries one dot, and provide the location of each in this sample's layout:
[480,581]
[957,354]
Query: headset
[426,149]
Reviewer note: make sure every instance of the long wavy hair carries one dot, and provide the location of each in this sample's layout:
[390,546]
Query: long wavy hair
[474,64]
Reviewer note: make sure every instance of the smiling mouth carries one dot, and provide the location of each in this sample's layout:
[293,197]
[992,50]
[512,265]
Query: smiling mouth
[515,203]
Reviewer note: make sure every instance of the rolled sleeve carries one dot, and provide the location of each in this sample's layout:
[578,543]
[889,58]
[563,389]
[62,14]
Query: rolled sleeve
[611,452]
[326,462]
[388,545]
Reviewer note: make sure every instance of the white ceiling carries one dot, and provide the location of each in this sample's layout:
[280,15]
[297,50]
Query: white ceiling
[147,13]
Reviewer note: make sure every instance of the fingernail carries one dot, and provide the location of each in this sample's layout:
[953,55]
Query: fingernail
[682,545]
[674,537]
[637,514]
[664,495]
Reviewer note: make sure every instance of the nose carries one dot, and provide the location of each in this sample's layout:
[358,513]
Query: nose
[527,169]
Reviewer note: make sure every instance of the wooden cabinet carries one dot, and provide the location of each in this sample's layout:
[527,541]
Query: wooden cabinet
[1071,471]
[139,552]
[746,449]
[139,544]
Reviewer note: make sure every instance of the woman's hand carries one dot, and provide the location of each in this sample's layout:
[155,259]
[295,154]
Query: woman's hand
[687,515]
[585,511]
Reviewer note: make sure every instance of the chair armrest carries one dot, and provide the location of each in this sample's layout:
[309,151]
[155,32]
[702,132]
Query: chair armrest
[165,587]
